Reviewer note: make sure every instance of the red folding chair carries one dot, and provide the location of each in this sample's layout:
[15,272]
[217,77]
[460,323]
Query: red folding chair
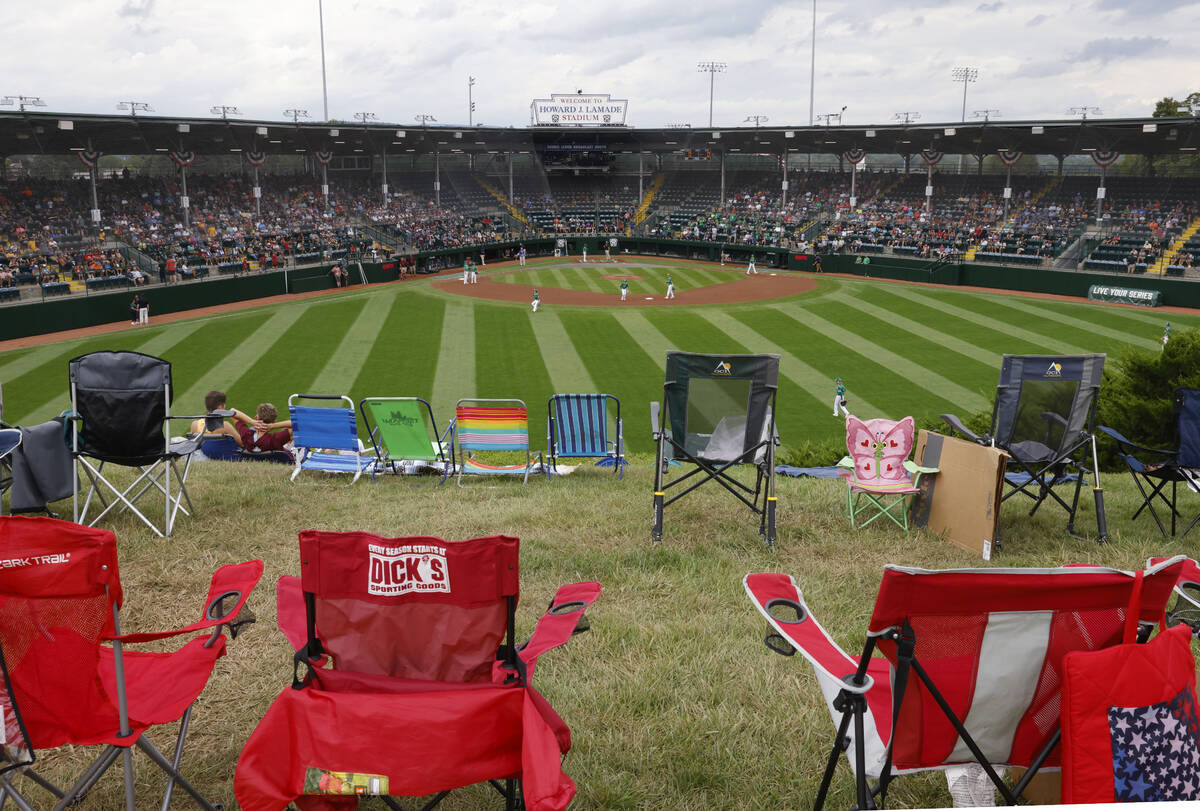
[60,599]
[970,668]
[408,680]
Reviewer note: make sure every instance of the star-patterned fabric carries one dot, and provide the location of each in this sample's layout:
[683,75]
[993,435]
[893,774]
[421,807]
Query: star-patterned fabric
[1156,750]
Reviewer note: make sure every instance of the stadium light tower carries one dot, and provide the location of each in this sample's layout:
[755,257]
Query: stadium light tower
[134,106]
[324,84]
[829,117]
[1083,111]
[966,76]
[225,110]
[364,117]
[812,74]
[470,101]
[986,115]
[907,117]
[757,119]
[296,115]
[425,119]
[712,69]
[23,101]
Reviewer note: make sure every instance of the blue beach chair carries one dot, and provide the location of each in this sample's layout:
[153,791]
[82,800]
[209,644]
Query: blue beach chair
[319,432]
[577,427]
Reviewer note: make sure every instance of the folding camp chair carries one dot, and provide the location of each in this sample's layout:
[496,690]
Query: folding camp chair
[720,413]
[1186,609]
[970,663]
[403,431]
[427,690]
[577,427]
[122,404]
[60,594]
[880,478]
[488,426]
[326,437]
[1153,469]
[1043,417]
[10,440]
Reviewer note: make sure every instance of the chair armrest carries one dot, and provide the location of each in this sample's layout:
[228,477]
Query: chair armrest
[846,462]
[1126,444]
[564,618]
[913,468]
[228,592]
[654,420]
[956,425]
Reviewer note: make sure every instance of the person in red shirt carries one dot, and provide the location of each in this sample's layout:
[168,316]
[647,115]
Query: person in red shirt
[273,436]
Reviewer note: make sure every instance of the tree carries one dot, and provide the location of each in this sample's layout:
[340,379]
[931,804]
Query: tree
[1168,107]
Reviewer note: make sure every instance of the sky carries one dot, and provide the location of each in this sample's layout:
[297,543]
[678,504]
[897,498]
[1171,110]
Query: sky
[399,59]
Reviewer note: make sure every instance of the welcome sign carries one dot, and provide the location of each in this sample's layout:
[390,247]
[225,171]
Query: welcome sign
[578,110]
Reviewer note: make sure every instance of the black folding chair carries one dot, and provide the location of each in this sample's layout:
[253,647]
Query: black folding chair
[10,440]
[122,405]
[720,413]
[1154,468]
[1043,418]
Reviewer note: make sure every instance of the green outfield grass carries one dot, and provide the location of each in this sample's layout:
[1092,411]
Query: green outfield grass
[902,349]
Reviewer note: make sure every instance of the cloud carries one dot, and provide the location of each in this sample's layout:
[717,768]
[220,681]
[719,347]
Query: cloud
[1110,48]
[136,8]
[1036,21]
[1141,8]
[986,7]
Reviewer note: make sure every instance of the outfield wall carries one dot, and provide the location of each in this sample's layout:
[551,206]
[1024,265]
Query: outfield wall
[56,315]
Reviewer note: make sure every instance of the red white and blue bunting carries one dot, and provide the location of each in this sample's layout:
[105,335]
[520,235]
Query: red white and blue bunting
[255,158]
[183,157]
[932,156]
[323,158]
[855,156]
[89,157]
[1009,157]
[1106,157]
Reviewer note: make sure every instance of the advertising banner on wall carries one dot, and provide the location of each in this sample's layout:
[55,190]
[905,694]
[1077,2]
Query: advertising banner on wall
[578,110]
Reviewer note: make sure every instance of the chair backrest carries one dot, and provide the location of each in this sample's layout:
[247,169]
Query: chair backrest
[579,423]
[328,427]
[419,608]
[222,448]
[1046,399]
[59,586]
[123,398]
[992,642]
[1187,416]
[879,447]
[720,406]
[401,427]
[492,425]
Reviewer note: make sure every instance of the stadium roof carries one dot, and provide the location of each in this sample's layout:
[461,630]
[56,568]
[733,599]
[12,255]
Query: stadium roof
[27,132]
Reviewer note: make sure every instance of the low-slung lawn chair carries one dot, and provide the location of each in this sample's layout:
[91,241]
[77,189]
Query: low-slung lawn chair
[408,680]
[492,427]
[1153,469]
[970,666]
[880,478]
[404,430]
[320,432]
[719,413]
[1043,418]
[577,428]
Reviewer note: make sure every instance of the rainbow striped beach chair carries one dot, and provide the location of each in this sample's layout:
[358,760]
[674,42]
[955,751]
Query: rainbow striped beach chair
[492,426]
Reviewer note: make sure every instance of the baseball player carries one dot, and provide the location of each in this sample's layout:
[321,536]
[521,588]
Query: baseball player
[607,253]
[536,300]
[521,256]
[750,267]
[839,398]
[474,274]
[585,253]
[670,287]
[624,288]
[466,271]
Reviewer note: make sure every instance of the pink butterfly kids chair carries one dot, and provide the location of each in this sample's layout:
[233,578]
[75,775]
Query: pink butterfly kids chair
[880,478]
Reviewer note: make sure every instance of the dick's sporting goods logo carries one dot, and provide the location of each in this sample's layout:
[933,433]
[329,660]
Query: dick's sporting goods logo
[723,368]
[1053,370]
[397,570]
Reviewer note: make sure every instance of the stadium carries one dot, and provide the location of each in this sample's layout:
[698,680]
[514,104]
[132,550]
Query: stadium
[902,262]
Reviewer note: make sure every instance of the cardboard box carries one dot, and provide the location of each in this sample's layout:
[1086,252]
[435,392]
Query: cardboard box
[961,502]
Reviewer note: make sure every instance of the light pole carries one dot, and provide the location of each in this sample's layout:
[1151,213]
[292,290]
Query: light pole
[712,69]
[324,85]
[828,118]
[757,119]
[986,115]
[470,101]
[225,110]
[23,101]
[907,117]
[966,76]
[296,115]
[424,119]
[812,68]
[134,106]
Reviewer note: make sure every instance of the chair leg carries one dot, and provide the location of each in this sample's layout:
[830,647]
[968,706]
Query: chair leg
[127,767]
[88,779]
[165,765]
[184,722]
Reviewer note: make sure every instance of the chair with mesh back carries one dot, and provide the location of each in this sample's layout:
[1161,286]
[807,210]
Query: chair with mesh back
[720,413]
[122,408]
[1043,418]
[404,434]
[10,440]
[970,665]
[408,680]
[66,659]
[326,437]
[577,428]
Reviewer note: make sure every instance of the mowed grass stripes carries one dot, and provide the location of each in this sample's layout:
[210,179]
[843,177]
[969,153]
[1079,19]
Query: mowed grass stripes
[902,349]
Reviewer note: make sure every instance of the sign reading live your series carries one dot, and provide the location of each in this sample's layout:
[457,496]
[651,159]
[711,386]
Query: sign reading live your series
[1125,295]
[578,110]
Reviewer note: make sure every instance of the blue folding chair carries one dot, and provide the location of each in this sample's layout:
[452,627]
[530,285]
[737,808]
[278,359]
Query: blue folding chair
[319,432]
[577,427]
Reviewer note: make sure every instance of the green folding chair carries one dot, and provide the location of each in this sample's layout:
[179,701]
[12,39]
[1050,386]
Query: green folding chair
[404,432]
